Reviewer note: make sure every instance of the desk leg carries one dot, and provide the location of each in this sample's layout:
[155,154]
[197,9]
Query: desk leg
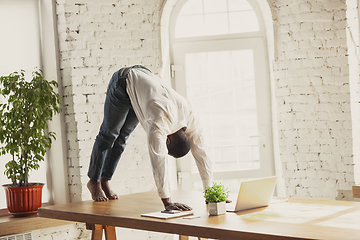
[97,231]
[110,233]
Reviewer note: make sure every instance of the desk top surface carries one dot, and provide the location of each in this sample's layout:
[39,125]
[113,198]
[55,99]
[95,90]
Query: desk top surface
[282,219]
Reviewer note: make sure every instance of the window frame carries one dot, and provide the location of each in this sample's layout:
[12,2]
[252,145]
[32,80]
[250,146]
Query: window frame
[178,7]
[185,175]
[263,110]
[176,11]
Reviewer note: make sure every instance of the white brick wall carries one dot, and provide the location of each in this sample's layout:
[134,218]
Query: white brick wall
[313,96]
[67,232]
[96,38]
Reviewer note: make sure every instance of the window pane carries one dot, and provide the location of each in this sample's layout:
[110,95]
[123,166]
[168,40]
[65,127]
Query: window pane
[239,5]
[241,22]
[216,24]
[192,7]
[243,64]
[189,26]
[226,106]
[215,6]
[215,17]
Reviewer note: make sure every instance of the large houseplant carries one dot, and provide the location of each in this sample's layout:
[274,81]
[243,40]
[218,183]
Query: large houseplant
[25,110]
[216,196]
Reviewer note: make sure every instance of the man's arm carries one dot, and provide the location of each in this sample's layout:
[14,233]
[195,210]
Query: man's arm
[199,152]
[158,156]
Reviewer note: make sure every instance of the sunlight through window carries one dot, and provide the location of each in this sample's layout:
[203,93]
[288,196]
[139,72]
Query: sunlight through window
[215,17]
[220,66]
[226,108]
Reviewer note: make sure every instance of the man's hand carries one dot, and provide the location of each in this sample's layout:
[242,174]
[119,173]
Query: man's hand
[175,206]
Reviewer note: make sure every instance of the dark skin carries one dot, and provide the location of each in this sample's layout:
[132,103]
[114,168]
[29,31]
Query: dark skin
[96,191]
[167,201]
[100,191]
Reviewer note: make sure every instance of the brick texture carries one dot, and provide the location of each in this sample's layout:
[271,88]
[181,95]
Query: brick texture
[96,38]
[313,97]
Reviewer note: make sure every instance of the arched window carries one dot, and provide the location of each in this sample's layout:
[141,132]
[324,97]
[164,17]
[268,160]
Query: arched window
[215,17]
[220,64]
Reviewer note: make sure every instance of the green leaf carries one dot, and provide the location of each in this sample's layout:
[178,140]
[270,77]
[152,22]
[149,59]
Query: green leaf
[24,119]
[216,193]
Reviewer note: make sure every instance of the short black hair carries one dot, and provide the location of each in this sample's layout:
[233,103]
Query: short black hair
[179,144]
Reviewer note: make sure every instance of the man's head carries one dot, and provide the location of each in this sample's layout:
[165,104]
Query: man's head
[178,143]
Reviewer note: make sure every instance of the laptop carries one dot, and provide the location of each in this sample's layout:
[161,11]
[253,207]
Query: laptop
[253,194]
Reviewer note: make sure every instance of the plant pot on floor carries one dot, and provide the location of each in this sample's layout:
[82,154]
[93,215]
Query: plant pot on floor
[22,201]
[217,208]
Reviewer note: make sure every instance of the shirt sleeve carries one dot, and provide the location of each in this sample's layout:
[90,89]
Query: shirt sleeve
[159,161]
[199,152]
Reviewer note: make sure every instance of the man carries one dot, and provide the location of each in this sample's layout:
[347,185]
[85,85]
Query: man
[135,94]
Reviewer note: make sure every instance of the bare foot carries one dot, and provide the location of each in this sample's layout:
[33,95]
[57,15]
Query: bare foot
[106,188]
[96,191]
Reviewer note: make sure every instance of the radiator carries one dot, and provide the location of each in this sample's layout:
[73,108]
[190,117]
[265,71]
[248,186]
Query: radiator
[22,236]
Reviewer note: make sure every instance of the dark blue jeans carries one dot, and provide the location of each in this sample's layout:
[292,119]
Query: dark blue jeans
[118,123]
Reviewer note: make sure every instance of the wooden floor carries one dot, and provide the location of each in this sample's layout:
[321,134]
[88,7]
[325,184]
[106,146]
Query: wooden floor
[10,225]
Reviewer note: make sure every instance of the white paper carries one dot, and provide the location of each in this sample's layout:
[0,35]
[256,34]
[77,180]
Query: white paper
[167,215]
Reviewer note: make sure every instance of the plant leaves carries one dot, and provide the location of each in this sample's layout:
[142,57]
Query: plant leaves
[24,121]
[216,193]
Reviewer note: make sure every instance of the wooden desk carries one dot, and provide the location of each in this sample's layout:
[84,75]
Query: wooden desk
[283,219]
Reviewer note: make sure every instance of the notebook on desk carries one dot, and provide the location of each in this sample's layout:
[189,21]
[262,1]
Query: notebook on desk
[163,215]
[253,194]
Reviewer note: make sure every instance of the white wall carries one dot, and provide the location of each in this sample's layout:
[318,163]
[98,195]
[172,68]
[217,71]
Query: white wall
[312,91]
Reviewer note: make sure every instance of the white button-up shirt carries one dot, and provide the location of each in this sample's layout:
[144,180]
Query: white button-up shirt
[162,111]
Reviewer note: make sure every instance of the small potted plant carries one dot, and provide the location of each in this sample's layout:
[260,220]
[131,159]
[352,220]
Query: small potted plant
[216,196]
[25,110]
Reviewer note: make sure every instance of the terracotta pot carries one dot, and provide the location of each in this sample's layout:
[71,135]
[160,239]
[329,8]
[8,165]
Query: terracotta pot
[23,200]
[217,208]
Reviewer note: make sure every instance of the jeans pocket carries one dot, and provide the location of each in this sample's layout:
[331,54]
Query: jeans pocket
[121,93]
